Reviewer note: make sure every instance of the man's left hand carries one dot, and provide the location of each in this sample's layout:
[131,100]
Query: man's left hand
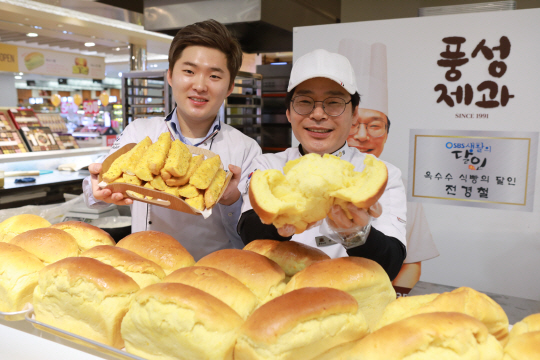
[232,194]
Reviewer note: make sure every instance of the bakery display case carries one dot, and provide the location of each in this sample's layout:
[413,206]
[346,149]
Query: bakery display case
[243,108]
[145,94]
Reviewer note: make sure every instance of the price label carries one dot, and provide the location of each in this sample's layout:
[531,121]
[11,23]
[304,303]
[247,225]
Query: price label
[91,107]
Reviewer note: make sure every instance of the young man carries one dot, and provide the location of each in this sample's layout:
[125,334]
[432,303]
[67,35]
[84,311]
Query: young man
[203,61]
[321,80]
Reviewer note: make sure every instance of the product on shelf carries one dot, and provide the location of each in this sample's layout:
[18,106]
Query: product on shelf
[24,118]
[53,121]
[18,224]
[39,138]
[11,142]
[65,141]
[49,245]
[5,120]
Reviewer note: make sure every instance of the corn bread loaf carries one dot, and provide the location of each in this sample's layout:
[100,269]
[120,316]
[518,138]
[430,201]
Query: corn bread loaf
[178,159]
[18,224]
[291,256]
[528,324]
[48,244]
[441,336]
[145,272]
[18,277]
[261,275]
[159,247]
[302,324]
[310,185]
[218,284]
[464,300]
[86,235]
[86,297]
[364,279]
[177,321]
[523,347]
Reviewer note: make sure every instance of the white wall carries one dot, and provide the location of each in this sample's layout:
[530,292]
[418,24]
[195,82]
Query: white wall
[8,93]
[490,250]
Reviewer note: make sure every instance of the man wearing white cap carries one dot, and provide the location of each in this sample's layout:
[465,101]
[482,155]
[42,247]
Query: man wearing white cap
[369,134]
[322,99]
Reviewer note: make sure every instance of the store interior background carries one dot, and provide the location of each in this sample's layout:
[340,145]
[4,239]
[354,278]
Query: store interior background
[265,40]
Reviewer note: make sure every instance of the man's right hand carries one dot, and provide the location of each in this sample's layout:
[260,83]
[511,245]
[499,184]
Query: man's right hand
[105,194]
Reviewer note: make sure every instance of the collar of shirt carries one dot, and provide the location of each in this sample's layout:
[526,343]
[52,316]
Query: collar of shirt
[174,126]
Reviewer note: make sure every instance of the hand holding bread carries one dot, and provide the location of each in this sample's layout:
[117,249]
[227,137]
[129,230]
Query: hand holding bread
[309,186]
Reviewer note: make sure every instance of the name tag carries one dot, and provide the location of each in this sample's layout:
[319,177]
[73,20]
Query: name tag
[323,241]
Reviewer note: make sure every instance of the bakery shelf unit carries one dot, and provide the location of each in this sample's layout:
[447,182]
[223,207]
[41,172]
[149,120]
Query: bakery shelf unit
[243,108]
[145,94]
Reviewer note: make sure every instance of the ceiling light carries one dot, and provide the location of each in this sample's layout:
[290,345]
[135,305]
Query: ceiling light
[117,49]
[18,77]
[65,32]
[89,44]
[21,73]
[31,34]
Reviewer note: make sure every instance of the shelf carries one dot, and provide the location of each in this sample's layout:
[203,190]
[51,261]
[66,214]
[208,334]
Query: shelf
[52,154]
[145,96]
[143,87]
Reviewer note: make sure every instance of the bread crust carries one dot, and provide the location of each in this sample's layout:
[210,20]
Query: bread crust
[18,224]
[86,235]
[48,244]
[266,217]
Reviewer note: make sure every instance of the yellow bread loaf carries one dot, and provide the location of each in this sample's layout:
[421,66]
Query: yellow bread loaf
[158,153]
[178,158]
[528,324]
[86,235]
[291,256]
[188,191]
[145,272]
[134,155]
[48,244]
[177,321]
[523,347]
[18,277]
[86,297]
[364,279]
[218,284]
[194,164]
[196,202]
[302,324]
[310,186]
[440,336]
[211,194]
[115,170]
[202,177]
[159,247]
[464,300]
[18,224]
[261,275]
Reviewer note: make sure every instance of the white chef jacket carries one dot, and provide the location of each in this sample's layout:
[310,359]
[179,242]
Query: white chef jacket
[198,235]
[392,221]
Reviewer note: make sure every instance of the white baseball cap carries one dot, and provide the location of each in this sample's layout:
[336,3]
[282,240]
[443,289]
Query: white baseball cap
[322,63]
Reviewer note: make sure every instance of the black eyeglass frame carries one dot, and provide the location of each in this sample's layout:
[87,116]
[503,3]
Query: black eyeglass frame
[315,102]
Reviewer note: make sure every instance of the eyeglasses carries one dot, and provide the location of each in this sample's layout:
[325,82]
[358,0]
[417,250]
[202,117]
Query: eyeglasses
[332,106]
[375,128]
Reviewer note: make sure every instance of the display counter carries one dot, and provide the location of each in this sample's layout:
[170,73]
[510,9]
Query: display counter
[21,341]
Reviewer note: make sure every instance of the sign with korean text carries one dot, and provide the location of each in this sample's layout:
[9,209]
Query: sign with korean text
[488,169]
[47,62]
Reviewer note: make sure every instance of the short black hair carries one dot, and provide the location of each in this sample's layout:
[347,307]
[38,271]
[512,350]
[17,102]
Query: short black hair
[355,99]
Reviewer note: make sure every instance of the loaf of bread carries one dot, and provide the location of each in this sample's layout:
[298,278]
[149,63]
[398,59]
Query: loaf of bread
[177,321]
[302,324]
[204,174]
[145,272]
[364,279]
[86,297]
[48,244]
[218,284]
[86,235]
[178,159]
[464,300]
[18,277]
[291,256]
[528,324]
[310,186]
[18,224]
[134,156]
[523,347]
[261,275]
[159,247]
[440,336]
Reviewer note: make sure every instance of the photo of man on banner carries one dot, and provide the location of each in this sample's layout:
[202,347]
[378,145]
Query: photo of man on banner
[369,133]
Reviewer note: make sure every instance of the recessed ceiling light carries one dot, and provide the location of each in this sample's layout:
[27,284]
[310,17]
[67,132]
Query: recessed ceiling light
[89,44]
[18,77]
[117,49]
[31,34]
[21,73]
[65,32]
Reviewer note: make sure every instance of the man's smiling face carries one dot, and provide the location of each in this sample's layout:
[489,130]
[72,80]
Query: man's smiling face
[359,136]
[316,131]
